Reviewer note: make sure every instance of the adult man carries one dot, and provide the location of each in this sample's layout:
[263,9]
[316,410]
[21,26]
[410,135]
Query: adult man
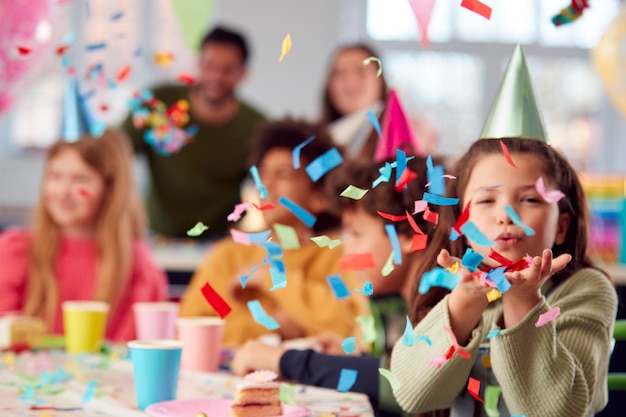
[200,182]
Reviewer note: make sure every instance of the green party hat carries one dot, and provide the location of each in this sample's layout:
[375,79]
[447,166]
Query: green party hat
[514,112]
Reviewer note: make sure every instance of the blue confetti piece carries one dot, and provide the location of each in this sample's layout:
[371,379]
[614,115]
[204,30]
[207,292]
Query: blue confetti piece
[368,289]
[347,378]
[454,235]
[400,164]
[261,317]
[138,52]
[395,243]
[323,164]
[497,277]
[29,393]
[277,267]
[259,237]
[117,16]
[436,180]
[492,333]
[408,339]
[440,200]
[257,181]
[438,277]
[385,175]
[296,152]
[90,392]
[305,217]
[338,286]
[510,211]
[96,46]
[69,38]
[348,345]
[429,163]
[470,230]
[244,278]
[65,62]
[471,259]
[374,121]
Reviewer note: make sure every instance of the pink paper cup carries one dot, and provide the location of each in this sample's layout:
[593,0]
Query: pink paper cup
[202,337]
[155,320]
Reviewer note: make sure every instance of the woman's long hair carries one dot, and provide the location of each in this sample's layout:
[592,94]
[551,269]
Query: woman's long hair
[121,221]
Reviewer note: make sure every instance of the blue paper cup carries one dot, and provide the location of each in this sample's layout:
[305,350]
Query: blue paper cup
[156,364]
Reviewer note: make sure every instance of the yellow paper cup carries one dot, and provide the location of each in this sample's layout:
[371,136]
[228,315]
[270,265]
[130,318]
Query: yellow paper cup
[84,324]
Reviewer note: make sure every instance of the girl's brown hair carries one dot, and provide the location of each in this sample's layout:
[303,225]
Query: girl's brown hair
[557,172]
[121,221]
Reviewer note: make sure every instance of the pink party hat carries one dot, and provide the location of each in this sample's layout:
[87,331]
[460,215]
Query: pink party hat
[397,132]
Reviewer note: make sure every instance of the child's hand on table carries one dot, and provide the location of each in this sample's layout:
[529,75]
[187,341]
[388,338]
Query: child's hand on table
[256,356]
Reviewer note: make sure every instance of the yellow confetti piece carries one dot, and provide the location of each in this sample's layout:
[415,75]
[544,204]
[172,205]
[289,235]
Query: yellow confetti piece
[44,414]
[494,295]
[286,47]
[367,327]
[8,359]
[393,380]
[197,230]
[486,361]
[454,268]
[353,192]
[388,267]
[367,61]
[287,236]
[163,58]
[323,241]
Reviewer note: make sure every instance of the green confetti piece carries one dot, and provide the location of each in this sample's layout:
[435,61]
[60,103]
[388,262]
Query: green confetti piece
[287,236]
[389,376]
[286,394]
[367,327]
[367,61]
[323,241]
[197,230]
[492,395]
[388,267]
[353,192]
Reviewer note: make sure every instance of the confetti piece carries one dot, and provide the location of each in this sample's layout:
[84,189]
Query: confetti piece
[477,7]
[435,178]
[347,378]
[267,206]
[348,345]
[492,396]
[238,212]
[117,16]
[413,224]
[186,78]
[304,216]
[499,258]
[439,200]
[419,242]
[324,241]
[548,316]
[286,47]
[389,376]
[391,217]
[197,230]
[244,278]
[254,171]
[471,259]
[388,267]
[60,50]
[123,74]
[323,164]
[287,236]
[368,327]
[395,243]
[296,152]
[431,216]
[492,333]
[286,393]
[44,414]
[374,121]
[84,193]
[23,51]
[338,286]
[90,392]
[496,275]
[510,211]
[357,261]
[96,46]
[353,192]
[216,301]
[463,218]
[548,196]
[385,175]
[8,359]
[261,317]
[470,230]
[420,205]
[367,61]
[407,177]
[277,267]
[400,165]
[493,295]
[163,59]
[507,155]
[367,290]
[438,277]
[473,386]
[408,339]
[240,237]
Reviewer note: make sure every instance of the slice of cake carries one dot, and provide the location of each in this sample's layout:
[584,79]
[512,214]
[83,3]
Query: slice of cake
[257,396]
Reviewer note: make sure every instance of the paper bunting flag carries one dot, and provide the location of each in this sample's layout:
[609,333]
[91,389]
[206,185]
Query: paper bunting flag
[423,10]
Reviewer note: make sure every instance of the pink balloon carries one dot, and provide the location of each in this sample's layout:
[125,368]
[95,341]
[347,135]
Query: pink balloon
[25,24]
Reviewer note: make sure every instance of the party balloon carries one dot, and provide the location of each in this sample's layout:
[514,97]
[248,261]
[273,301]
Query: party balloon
[609,61]
[25,38]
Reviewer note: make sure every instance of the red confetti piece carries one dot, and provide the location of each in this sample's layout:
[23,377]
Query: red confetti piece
[123,74]
[23,51]
[413,224]
[507,155]
[391,217]
[267,206]
[220,306]
[406,177]
[419,242]
[188,79]
[473,387]
[431,216]
[357,261]
[477,7]
[71,71]
[62,49]
[450,352]
[104,107]
[519,265]
[499,258]
[463,218]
